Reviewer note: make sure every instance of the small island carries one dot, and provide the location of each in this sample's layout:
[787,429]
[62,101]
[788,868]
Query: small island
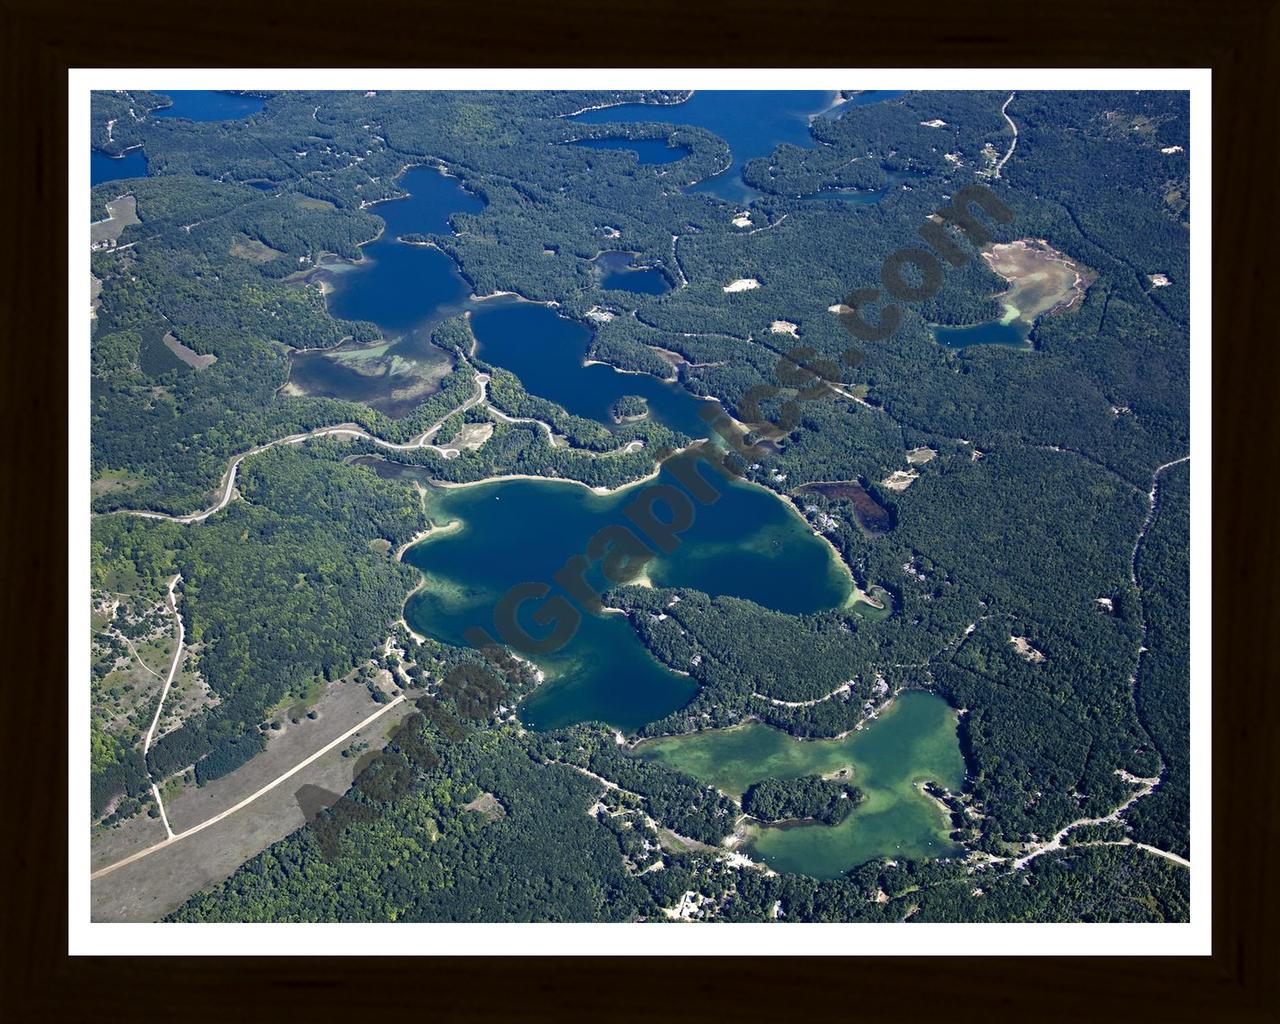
[629,408]
[811,798]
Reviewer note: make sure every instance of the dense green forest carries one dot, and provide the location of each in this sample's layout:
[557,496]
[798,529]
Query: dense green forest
[559,850]
[1019,529]
[1164,674]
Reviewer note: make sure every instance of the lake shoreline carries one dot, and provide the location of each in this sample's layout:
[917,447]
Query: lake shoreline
[897,818]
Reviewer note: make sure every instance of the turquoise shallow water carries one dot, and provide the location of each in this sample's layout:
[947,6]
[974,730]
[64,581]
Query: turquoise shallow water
[913,741]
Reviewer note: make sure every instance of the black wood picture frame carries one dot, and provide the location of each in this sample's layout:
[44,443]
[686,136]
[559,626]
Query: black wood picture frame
[1238,39]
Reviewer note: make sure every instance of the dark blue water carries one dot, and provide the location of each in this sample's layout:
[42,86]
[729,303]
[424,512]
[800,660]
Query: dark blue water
[747,544]
[863,99]
[546,351]
[616,270]
[405,289]
[207,105]
[993,333]
[650,151]
[104,168]
[753,123]
[399,286]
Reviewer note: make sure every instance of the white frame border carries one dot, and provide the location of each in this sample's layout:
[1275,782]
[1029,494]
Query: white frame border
[1193,938]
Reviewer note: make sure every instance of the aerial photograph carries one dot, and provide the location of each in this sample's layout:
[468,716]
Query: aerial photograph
[638,506]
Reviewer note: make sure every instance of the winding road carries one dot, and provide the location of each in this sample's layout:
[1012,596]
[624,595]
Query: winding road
[1145,788]
[1147,785]
[227,487]
[228,484]
[1014,144]
[173,671]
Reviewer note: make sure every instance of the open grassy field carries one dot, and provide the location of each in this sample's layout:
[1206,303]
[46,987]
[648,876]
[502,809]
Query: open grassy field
[152,887]
[121,213]
[251,249]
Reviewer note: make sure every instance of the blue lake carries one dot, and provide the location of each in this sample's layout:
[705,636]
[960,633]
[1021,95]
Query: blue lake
[405,289]
[546,351]
[208,105]
[397,285]
[753,122]
[747,544]
[192,105]
[649,151]
[616,270]
[863,99]
[104,168]
[993,333]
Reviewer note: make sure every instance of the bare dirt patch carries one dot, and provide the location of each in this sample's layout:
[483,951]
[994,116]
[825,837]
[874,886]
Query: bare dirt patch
[900,479]
[472,436]
[341,706]
[188,356]
[921,456]
[488,805]
[673,843]
[149,888]
[1023,646]
[673,359]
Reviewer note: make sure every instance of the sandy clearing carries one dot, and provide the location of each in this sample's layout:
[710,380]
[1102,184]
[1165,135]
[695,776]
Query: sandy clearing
[900,479]
[148,851]
[187,355]
[1023,646]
